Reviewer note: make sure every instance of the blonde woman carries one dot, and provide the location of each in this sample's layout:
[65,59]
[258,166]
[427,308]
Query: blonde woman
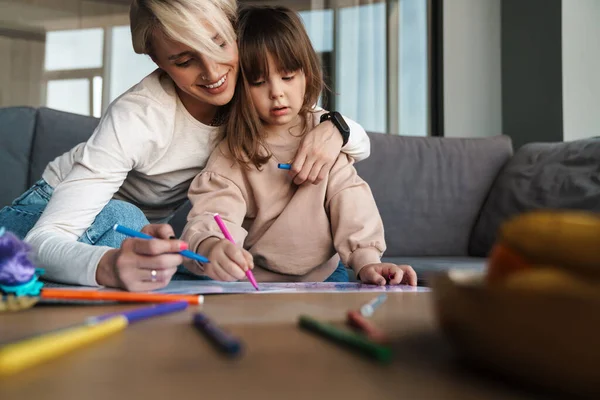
[149,145]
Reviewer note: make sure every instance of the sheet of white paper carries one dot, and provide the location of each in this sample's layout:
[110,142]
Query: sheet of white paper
[213,287]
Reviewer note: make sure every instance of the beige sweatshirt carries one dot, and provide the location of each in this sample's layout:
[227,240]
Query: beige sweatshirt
[298,229]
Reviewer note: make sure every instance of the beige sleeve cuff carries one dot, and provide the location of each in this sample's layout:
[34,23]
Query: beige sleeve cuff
[364,256]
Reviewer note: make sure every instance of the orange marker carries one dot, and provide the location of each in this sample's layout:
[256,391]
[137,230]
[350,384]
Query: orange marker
[129,297]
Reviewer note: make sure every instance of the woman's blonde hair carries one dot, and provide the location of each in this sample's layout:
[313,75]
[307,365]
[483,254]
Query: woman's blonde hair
[279,32]
[183,21]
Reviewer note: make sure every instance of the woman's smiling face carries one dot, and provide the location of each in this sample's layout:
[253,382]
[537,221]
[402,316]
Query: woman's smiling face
[199,78]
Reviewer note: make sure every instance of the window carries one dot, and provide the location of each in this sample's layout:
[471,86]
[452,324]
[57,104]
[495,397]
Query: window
[86,69]
[72,95]
[126,67]
[73,70]
[375,60]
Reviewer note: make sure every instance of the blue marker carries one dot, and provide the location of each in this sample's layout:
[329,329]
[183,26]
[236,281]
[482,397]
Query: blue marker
[284,166]
[224,341]
[130,232]
[142,313]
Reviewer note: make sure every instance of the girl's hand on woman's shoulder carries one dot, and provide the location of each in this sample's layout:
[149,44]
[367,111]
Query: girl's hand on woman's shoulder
[318,151]
[228,262]
[381,273]
[141,264]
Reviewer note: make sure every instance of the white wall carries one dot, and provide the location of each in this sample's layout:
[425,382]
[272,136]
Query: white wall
[21,72]
[581,68]
[472,63]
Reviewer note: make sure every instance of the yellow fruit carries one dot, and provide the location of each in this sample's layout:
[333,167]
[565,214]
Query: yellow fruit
[569,239]
[543,278]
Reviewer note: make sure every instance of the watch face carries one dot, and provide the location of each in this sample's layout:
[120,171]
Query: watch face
[339,121]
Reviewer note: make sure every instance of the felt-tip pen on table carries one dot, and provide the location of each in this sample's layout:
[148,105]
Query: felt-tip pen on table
[368,309]
[29,352]
[352,340]
[223,340]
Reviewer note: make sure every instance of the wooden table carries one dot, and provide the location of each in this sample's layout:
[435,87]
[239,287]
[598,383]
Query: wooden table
[165,358]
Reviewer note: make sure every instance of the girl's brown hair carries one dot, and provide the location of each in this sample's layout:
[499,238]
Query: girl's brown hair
[278,32]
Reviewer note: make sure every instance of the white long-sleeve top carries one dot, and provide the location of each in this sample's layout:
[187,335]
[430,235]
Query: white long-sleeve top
[146,150]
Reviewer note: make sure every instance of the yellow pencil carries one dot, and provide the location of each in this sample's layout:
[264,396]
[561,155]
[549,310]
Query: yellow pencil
[18,356]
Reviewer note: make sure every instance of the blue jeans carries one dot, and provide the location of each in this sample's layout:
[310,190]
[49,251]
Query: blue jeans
[339,275]
[25,211]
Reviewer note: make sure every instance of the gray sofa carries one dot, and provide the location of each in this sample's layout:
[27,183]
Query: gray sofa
[441,199]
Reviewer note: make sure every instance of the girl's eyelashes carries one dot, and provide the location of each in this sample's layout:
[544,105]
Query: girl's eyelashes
[288,77]
[183,64]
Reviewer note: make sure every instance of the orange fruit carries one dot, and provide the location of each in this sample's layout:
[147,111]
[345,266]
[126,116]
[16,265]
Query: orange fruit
[503,262]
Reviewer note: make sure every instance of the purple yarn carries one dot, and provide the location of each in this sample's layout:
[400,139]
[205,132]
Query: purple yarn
[15,266]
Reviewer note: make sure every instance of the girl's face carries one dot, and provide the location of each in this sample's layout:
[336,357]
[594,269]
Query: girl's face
[200,79]
[279,97]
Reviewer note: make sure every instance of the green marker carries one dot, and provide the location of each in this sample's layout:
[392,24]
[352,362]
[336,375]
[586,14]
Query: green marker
[353,340]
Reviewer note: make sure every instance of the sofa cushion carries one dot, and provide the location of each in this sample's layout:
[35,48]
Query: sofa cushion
[540,175]
[55,133]
[180,218]
[430,190]
[424,266]
[16,136]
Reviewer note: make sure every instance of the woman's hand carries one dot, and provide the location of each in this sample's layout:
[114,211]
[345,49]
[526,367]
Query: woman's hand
[318,151]
[379,274]
[228,262]
[140,264]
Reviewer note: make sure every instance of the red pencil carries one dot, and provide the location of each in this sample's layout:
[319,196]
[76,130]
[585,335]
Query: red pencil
[130,297]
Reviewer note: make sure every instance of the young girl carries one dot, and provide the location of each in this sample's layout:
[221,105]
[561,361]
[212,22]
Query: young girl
[151,142]
[298,231]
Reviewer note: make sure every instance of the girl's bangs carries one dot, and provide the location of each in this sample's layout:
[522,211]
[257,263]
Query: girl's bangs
[254,56]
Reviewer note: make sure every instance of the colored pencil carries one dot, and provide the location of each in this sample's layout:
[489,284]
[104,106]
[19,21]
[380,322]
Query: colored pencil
[129,297]
[140,235]
[224,341]
[350,339]
[228,236]
[17,356]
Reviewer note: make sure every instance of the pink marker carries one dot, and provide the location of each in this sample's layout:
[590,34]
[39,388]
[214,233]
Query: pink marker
[228,236]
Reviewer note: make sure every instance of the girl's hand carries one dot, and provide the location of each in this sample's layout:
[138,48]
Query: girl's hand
[318,151]
[140,264]
[228,262]
[379,274]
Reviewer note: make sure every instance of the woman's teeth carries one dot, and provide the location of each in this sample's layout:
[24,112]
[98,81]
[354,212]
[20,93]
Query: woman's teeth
[218,83]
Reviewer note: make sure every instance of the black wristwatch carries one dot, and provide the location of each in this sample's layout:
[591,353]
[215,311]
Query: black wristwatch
[339,123]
